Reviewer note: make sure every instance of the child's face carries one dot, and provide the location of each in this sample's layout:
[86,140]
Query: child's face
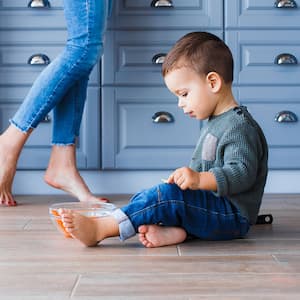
[194,93]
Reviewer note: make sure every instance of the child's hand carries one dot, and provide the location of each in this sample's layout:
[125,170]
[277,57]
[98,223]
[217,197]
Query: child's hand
[185,178]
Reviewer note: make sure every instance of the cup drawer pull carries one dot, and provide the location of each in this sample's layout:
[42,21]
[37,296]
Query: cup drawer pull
[38,59]
[158,59]
[286,59]
[47,119]
[286,116]
[162,117]
[285,4]
[162,3]
[39,4]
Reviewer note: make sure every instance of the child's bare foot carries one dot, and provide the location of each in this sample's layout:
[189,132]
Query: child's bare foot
[152,236]
[89,231]
[62,174]
[81,227]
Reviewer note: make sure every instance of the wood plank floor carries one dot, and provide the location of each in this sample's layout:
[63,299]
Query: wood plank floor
[37,262]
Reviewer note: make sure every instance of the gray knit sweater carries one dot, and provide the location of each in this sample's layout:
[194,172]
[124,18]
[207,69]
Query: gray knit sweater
[232,146]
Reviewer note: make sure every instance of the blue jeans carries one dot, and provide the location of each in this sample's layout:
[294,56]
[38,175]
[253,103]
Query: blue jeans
[62,86]
[200,213]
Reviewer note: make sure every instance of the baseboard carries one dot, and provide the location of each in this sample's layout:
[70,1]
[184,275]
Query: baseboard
[128,182]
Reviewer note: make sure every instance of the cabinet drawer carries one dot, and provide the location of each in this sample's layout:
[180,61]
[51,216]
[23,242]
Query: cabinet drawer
[148,14]
[33,37]
[17,15]
[265,57]
[261,13]
[17,4]
[262,94]
[15,69]
[131,137]
[132,58]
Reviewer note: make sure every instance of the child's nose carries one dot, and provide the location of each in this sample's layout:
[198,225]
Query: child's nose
[180,103]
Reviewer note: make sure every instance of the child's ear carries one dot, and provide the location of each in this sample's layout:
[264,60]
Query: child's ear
[214,81]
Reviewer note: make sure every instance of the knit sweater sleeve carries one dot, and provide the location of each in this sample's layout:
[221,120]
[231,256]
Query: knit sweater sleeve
[239,147]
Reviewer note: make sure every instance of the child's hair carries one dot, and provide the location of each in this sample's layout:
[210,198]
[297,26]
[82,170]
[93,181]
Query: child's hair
[203,52]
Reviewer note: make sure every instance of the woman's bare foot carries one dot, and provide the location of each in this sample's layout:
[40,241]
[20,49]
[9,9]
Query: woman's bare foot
[11,143]
[89,231]
[152,236]
[70,181]
[62,174]
[7,173]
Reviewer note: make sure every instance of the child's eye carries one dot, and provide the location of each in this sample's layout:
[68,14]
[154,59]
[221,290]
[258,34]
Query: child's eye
[184,94]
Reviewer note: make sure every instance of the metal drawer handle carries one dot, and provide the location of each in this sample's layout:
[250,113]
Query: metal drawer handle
[39,4]
[286,59]
[162,3]
[158,59]
[38,59]
[286,116]
[162,117]
[47,119]
[285,4]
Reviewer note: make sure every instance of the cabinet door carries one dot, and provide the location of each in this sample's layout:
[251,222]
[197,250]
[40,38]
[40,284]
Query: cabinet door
[35,154]
[144,129]
[21,64]
[274,14]
[277,110]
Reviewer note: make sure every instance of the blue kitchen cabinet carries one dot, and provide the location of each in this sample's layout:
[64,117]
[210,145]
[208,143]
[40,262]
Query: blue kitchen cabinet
[265,57]
[142,127]
[30,38]
[131,121]
[264,37]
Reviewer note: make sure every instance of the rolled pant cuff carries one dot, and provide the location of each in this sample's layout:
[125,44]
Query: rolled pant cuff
[126,228]
[24,130]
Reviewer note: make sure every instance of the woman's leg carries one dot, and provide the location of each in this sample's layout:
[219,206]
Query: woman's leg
[62,172]
[11,144]
[86,21]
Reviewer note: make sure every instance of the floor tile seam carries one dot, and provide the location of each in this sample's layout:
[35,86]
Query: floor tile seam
[76,284]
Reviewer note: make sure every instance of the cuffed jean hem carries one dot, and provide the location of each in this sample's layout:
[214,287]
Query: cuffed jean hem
[12,122]
[126,228]
[62,144]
